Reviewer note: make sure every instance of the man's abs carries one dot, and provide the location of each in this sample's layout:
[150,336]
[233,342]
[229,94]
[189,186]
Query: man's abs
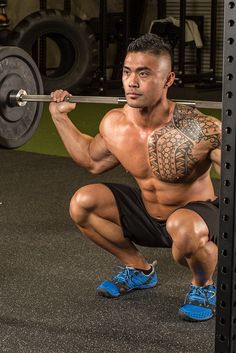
[161,199]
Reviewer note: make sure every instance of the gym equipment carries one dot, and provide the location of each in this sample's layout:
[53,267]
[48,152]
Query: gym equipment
[226,277]
[17,124]
[75,49]
[21,82]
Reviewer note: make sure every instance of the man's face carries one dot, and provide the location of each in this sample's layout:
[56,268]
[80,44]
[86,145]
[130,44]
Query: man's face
[144,78]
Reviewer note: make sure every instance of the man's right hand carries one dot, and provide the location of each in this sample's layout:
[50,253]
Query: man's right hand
[58,105]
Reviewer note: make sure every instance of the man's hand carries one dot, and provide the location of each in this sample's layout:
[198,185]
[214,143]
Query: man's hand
[58,106]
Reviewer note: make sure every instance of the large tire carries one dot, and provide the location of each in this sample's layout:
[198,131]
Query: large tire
[76,46]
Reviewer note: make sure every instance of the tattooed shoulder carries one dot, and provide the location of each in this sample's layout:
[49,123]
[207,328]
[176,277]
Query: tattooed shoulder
[197,126]
[172,148]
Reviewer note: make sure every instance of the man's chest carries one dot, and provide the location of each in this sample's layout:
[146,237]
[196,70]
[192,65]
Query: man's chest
[174,154]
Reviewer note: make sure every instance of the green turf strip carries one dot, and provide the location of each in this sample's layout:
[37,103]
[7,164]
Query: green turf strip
[46,139]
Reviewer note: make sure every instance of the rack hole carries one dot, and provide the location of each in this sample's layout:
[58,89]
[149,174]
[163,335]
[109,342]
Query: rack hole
[225,217]
[222,338]
[222,304]
[227,148]
[223,269]
[224,252]
[225,235]
[228,112]
[228,130]
[222,321]
[226,200]
[226,183]
[230,41]
[223,287]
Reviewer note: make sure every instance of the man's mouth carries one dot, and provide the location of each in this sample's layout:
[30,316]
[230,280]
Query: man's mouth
[133,94]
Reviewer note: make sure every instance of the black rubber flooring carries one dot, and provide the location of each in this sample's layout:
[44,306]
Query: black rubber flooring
[49,273]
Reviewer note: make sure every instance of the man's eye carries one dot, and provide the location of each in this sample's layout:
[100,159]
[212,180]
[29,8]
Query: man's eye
[125,72]
[143,74]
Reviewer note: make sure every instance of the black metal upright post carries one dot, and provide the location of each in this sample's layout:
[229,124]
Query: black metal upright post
[225,341]
[67,6]
[213,38]
[126,11]
[40,51]
[182,40]
[161,8]
[43,4]
[103,45]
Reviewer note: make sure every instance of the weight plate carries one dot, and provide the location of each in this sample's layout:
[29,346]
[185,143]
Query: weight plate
[18,71]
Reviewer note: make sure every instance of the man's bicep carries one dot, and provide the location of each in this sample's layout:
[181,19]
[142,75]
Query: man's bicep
[216,159]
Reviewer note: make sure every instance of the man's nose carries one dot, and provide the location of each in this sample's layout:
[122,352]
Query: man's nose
[133,80]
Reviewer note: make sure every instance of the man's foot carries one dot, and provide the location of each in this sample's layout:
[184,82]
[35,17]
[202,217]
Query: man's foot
[127,280]
[200,303]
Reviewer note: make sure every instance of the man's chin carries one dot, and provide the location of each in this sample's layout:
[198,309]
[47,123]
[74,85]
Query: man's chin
[134,104]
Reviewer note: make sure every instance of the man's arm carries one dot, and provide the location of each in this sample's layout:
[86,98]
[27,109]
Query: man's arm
[216,160]
[89,152]
[214,134]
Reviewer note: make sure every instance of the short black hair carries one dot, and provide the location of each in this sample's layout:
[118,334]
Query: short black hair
[151,42]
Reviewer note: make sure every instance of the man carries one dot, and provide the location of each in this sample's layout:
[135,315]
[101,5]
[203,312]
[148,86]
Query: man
[169,149]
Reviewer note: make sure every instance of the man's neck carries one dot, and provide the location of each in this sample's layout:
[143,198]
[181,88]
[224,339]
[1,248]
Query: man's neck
[156,116]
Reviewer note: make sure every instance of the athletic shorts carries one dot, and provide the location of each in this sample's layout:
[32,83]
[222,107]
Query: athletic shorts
[144,230]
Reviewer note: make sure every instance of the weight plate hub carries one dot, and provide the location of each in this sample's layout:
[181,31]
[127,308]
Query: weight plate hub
[18,71]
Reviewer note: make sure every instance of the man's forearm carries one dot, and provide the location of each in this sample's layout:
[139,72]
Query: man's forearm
[75,142]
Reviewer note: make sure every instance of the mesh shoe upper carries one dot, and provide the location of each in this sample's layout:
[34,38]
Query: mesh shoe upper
[199,303]
[126,280]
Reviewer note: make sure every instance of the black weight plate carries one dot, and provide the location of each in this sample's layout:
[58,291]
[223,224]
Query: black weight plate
[18,71]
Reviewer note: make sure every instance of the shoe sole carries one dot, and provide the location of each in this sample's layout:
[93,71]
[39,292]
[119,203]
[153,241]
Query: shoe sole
[105,294]
[188,318]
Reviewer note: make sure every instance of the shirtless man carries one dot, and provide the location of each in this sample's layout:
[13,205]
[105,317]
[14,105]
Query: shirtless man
[169,149]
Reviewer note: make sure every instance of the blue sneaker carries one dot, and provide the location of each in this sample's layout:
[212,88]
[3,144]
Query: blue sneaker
[200,303]
[127,280]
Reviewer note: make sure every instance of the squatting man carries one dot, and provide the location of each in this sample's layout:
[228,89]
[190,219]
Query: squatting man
[169,149]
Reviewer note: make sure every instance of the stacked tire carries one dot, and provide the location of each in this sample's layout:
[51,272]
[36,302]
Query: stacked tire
[74,43]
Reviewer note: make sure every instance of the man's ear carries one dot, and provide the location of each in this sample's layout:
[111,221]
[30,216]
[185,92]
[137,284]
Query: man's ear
[170,79]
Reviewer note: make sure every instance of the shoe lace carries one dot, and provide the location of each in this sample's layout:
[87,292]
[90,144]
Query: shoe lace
[200,294]
[128,273]
[123,276]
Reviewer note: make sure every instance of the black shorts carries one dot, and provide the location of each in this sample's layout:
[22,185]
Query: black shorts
[142,229]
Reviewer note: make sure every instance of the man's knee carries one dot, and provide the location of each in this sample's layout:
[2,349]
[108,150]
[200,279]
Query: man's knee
[188,231]
[82,204]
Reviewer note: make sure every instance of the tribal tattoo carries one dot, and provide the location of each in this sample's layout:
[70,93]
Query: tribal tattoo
[171,148]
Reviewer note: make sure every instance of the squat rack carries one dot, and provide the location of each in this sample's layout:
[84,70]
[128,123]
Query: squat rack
[225,338]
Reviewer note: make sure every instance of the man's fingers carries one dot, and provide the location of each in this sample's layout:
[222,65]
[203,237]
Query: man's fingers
[59,95]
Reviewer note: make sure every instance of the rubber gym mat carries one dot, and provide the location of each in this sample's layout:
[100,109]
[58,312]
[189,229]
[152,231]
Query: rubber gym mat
[49,273]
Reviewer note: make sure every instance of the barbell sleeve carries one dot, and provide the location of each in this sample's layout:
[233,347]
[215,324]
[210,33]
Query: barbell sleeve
[21,98]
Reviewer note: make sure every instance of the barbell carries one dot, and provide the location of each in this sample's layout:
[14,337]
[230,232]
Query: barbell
[21,82]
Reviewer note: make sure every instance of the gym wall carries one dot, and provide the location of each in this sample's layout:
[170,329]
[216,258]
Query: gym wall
[84,9]
[90,8]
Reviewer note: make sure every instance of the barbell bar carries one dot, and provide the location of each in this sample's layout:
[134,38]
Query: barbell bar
[21,98]
[21,82]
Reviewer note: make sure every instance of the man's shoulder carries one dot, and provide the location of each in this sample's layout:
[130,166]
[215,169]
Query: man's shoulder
[185,115]
[112,119]
[113,115]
